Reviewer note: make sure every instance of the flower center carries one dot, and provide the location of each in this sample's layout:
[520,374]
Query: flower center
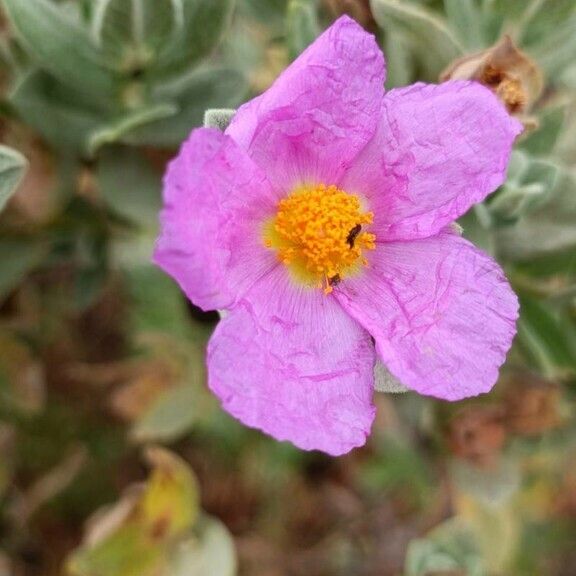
[318,232]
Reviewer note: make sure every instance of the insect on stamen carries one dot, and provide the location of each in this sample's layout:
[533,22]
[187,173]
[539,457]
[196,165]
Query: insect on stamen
[334,280]
[353,234]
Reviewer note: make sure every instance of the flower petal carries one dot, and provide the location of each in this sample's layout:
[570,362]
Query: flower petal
[215,199]
[319,114]
[438,150]
[441,312]
[289,361]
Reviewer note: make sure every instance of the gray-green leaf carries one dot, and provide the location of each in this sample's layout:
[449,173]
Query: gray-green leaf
[544,138]
[54,111]
[131,32]
[465,19]
[302,26]
[199,29]
[116,131]
[17,258]
[12,168]
[60,46]
[543,336]
[218,118]
[221,87]
[169,418]
[130,186]
[428,34]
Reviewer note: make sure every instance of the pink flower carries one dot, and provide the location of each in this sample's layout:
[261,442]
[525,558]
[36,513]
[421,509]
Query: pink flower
[320,220]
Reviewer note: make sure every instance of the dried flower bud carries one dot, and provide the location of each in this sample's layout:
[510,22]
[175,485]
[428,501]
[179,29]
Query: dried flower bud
[478,434]
[507,71]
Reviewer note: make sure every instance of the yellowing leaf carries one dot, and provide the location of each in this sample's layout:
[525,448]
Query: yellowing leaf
[170,502]
[124,553]
[140,535]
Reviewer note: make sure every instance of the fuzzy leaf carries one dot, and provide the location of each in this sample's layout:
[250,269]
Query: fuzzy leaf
[543,140]
[428,34]
[17,258]
[512,202]
[118,130]
[12,169]
[170,417]
[130,186]
[272,12]
[399,60]
[384,381]
[60,46]
[548,228]
[220,87]
[131,32]
[302,26]
[158,304]
[557,54]
[526,190]
[212,553]
[543,336]
[465,18]
[218,118]
[199,29]
[52,109]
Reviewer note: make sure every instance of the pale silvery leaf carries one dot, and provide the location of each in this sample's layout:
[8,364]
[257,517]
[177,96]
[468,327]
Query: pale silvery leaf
[54,110]
[465,17]
[193,93]
[131,32]
[549,227]
[429,35]
[169,418]
[12,168]
[59,45]
[199,29]
[218,118]
[303,26]
[386,382]
[121,129]
[18,258]
[212,553]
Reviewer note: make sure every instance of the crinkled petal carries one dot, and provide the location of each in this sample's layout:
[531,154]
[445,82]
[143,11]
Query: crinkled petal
[441,312]
[438,150]
[215,200]
[319,114]
[289,361]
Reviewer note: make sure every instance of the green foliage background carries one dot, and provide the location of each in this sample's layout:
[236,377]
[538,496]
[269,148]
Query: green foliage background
[101,358]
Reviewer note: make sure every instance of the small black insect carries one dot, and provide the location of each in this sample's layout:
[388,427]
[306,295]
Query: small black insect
[335,280]
[353,234]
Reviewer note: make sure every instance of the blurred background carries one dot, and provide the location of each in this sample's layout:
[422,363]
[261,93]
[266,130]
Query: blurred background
[114,458]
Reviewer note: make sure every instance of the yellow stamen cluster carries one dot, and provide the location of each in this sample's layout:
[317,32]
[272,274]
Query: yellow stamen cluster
[318,232]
